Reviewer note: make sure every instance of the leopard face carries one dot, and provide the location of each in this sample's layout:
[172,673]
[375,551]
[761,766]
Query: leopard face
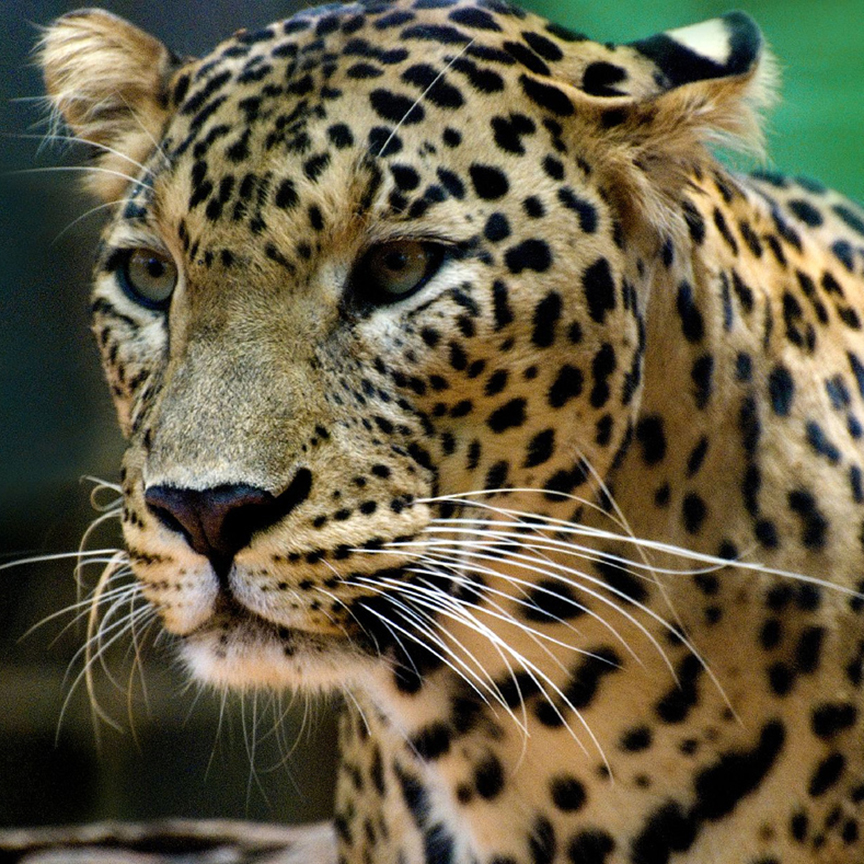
[456,373]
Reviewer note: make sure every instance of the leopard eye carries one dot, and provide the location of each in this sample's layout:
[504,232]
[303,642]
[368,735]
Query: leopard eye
[147,276]
[391,271]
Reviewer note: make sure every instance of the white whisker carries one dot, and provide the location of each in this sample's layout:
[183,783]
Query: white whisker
[422,96]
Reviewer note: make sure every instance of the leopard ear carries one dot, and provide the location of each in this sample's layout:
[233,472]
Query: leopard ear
[109,81]
[655,104]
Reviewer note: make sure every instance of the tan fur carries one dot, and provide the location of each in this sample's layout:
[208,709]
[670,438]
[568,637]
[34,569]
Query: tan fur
[107,79]
[637,377]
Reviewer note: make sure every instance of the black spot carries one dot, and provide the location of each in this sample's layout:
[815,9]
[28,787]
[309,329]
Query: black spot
[405,177]
[650,435]
[852,219]
[533,207]
[831,718]
[476,18]
[554,168]
[750,238]
[676,704]
[770,634]
[599,288]
[568,793]
[433,86]
[780,679]
[697,457]
[808,651]
[396,107]
[540,448]
[692,324]
[286,195]
[524,55]
[586,211]
[695,222]
[587,677]
[837,392]
[496,476]
[546,96]
[482,79]
[820,442]
[701,375]
[566,480]
[806,212]
[600,78]
[621,580]
[509,415]
[592,846]
[496,383]
[813,524]
[340,136]
[668,829]
[315,166]
[827,773]
[603,430]
[542,842]
[489,778]
[363,70]
[568,385]
[551,600]
[432,741]
[694,510]
[196,101]
[531,254]
[842,250]
[781,389]
[720,788]
[451,183]
[508,132]
[438,845]
[602,366]
[546,315]
[636,740]
[798,826]
[501,305]
[497,228]
[414,794]
[547,49]
[394,19]
[516,688]
[489,182]
[384,141]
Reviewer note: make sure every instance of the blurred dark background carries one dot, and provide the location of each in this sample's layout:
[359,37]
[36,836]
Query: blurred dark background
[179,752]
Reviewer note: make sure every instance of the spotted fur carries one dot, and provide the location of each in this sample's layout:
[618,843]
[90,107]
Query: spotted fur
[576,518]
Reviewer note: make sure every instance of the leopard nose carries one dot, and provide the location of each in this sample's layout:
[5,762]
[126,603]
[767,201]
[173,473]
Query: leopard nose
[219,521]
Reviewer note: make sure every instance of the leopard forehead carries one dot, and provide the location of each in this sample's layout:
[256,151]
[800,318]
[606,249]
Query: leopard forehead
[380,117]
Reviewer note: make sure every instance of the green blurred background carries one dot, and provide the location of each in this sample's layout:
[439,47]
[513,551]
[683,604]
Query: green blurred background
[56,426]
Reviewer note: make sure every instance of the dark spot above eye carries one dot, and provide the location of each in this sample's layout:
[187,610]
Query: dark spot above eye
[396,107]
[490,183]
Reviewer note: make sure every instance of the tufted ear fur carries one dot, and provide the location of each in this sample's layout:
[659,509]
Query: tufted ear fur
[654,105]
[108,80]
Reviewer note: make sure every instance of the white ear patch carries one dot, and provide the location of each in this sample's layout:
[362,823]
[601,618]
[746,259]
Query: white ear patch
[711,39]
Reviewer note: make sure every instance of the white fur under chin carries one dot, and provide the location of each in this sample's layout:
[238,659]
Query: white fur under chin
[257,661]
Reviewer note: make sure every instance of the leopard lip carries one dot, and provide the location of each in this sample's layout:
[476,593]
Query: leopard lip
[230,615]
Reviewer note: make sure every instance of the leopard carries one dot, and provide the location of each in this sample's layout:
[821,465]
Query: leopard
[460,375]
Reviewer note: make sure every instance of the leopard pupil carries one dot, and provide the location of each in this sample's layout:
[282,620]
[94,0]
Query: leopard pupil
[155,268]
[396,261]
